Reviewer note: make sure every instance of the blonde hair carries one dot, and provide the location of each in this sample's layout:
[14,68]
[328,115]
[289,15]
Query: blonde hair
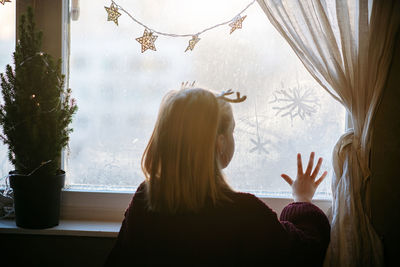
[179,162]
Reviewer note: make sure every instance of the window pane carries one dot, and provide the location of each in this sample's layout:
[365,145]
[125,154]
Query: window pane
[119,90]
[7,47]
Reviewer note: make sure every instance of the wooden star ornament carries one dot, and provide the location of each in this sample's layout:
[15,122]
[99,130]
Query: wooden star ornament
[237,23]
[195,39]
[112,12]
[5,1]
[147,40]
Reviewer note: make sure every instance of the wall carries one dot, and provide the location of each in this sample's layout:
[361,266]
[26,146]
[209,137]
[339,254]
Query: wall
[35,250]
[47,13]
[385,180]
[46,250]
[385,162]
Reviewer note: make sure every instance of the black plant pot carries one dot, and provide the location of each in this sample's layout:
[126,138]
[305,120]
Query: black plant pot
[37,199]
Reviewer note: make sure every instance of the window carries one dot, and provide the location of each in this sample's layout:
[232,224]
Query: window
[7,47]
[119,90]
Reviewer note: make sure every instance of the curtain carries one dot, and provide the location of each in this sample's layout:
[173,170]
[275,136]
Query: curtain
[347,46]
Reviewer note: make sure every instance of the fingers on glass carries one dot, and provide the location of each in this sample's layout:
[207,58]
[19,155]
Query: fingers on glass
[319,181]
[299,164]
[287,179]
[317,168]
[310,164]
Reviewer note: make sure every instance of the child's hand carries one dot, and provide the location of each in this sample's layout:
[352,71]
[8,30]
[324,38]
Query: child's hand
[303,188]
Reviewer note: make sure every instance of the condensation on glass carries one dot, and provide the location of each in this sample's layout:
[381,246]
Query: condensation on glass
[7,47]
[119,91]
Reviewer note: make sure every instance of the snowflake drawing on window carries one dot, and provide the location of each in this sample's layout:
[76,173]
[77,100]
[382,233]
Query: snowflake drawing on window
[258,143]
[253,133]
[295,102]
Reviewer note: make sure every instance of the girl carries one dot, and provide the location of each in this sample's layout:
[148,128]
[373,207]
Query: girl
[185,213]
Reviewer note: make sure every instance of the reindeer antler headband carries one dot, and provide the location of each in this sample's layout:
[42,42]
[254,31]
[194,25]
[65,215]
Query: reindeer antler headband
[222,95]
[187,85]
[238,98]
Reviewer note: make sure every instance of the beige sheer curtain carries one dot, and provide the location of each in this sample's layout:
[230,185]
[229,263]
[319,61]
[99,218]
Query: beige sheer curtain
[347,47]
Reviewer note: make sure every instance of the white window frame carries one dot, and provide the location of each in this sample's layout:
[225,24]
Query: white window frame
[110,206]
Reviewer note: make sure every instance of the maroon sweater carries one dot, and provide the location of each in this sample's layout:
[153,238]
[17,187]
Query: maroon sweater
[244,232]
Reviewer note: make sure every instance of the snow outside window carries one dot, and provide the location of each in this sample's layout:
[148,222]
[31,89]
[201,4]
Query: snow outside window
[119,90]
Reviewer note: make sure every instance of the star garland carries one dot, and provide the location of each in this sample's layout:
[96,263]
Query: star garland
[4,1]
[237,23]
[147,40]
[149,36]
[195,39]
[113,13]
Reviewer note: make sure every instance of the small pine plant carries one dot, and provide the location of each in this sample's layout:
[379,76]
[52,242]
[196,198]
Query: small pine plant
[36,109]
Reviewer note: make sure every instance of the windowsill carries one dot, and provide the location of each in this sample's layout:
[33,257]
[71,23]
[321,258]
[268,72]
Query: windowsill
[66,228]
[109,206]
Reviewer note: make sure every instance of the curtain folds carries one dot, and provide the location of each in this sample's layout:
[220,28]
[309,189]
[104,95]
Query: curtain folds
[346,46]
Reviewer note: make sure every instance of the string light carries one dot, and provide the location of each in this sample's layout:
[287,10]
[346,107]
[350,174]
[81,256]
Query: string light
[43,58]
[149,36]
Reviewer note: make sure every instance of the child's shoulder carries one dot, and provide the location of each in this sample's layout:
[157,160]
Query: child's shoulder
[250,202]
[141,188]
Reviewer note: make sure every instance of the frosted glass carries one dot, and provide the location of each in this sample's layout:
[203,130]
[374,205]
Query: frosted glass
[119,91]
[7,47]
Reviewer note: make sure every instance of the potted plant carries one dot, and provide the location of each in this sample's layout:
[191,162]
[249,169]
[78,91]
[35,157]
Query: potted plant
[35,116]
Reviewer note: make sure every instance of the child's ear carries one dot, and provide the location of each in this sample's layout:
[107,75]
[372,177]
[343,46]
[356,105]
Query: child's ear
[221,143]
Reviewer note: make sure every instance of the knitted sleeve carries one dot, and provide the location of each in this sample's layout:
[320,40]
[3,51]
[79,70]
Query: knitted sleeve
[299,238]
[309,232]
